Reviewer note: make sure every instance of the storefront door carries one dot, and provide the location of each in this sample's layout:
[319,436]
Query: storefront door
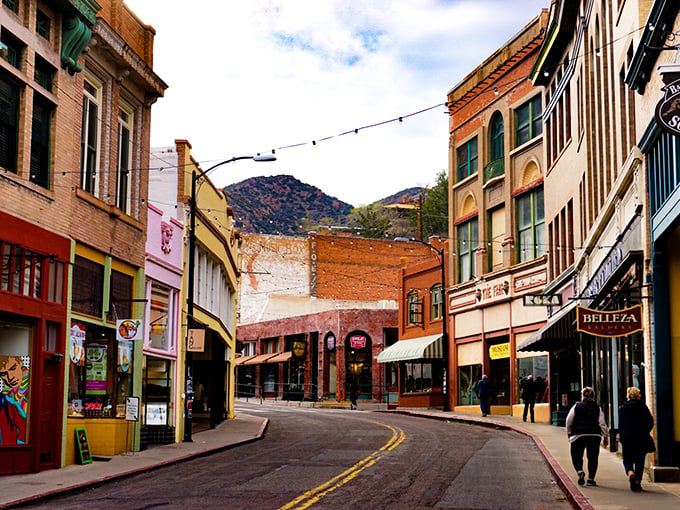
[358,362]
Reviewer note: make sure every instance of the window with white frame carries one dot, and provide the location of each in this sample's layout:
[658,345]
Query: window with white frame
[123,180]
[531,225]
[436,302]
[214,293]
[415,312]
[468,242]
[89,146]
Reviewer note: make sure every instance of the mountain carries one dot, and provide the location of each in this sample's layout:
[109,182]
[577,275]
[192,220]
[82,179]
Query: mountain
[281,204]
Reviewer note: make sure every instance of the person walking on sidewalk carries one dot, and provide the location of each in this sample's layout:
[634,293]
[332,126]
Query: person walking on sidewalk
[635,424]
[529,390]
[353,394]
[585,426]
[484,394]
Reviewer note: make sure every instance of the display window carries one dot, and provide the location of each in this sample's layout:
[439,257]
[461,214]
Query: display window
[468,376]
[100,372]
[421,376]
[538,367]
[160,331]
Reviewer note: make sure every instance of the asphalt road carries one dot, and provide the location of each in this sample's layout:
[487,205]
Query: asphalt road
[345,459]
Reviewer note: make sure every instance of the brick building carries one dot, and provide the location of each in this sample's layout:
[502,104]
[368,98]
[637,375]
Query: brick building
[77,86]
[497,228]
[330,309]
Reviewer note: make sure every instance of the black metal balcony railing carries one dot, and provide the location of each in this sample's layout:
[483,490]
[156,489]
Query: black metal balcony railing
[494,169]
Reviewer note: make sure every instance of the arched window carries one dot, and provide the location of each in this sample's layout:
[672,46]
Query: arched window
[496,137]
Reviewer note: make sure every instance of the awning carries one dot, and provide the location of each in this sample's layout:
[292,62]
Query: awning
[281,357]
[424,347]
[242,360]
[259,359]
[555,333]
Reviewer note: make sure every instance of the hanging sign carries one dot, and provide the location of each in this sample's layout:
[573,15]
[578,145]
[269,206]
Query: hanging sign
[499,351]
[129,329]
[609,323]
[196,340]
[299,348]
[330,341]
[357,341]
[667,112]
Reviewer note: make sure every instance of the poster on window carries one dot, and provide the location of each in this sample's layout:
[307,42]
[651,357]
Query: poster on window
[95,382]
[156,414]
[77,344]
[124,356]
[14,386]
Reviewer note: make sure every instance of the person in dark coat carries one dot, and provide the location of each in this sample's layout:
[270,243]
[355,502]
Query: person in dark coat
[585,426]
[353,394]
[484,394]
[635,424]
[529,390]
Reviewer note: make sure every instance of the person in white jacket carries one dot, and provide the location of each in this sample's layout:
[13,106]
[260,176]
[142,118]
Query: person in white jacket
[585,427]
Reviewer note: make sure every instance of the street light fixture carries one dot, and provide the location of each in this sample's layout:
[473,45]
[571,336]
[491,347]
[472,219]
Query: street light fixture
[189,389]
[445,316]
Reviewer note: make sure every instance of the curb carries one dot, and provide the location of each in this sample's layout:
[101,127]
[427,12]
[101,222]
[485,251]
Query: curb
[127,474]
[574,496]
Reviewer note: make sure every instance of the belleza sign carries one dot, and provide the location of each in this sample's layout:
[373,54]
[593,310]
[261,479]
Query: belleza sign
[609,323]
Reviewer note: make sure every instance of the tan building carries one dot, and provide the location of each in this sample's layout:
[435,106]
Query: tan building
[498,241]
[77,85]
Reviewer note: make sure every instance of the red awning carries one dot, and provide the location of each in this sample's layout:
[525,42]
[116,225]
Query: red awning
[281,357]
[260,358]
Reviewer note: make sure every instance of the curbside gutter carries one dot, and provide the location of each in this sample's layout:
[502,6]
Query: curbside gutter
[574,496]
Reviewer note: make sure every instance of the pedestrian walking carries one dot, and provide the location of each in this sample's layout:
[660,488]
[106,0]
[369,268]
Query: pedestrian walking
[353,394]
[484,394]
[529,390]
[585,427]
[635,424]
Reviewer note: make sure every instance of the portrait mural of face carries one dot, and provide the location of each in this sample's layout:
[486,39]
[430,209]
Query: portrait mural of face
[14,386]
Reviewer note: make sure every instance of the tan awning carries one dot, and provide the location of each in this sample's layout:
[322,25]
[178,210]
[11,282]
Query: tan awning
[281,357]
[259,359]
[424,347]
[242,360]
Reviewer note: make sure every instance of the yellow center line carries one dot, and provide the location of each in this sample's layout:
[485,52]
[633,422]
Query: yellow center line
[311,496]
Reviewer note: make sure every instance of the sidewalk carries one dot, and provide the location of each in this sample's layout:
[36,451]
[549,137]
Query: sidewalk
[23,489]
[612,491]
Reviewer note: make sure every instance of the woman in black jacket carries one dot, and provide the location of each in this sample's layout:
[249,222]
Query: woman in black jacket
[635,424]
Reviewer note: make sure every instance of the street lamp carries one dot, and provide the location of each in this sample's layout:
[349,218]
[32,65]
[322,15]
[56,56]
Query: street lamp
[189,390]
[445,317]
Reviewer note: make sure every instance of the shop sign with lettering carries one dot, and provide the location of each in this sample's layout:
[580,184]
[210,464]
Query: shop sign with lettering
[609,323]
[499,351]
[667,113]
[357,341]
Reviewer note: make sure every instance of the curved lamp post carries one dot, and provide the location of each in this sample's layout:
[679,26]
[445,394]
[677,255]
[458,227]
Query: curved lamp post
[189,390]
[445,317]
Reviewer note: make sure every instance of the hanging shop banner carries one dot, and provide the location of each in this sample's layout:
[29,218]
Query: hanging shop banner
[330,342]
[499,351]
[609,323]
[357,341]
[124,356]
[129,329]
[667,113]
[196,340]
[299,348]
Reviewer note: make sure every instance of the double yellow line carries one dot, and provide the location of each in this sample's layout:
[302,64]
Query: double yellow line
[313,495]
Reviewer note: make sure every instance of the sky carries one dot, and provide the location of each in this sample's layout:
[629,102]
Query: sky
[249,77]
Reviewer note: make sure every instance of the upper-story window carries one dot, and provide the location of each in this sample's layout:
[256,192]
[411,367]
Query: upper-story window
[414,310]
[43,73]
[123,181]
[466,155]
[40,142]
[9,124]
[11,49]
[468,242]
[436,302]
[42,24]
[531,225]
[12,5]
[89,147]
[496,137]
[528,120]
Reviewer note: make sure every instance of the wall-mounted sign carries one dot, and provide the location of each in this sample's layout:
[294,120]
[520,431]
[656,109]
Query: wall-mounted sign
[330,341]
[299,348]
[129,329]
[667,112]
[357,341]
[542,299]
[609,323]
[499,351]
[196,340]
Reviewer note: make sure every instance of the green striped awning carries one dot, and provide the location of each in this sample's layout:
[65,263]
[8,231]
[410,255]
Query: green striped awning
[424,347]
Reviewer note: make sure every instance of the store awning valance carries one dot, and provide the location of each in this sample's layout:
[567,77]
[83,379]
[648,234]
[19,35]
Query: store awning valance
[242,360]
[260,358]
[281,357]
[554,333]
[424,347]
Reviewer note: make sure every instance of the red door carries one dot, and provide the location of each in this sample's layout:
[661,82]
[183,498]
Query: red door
[50,420]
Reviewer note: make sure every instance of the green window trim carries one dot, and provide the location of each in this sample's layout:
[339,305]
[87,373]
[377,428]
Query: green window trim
[531,241]
[467,249]
[528,121]
[467,156]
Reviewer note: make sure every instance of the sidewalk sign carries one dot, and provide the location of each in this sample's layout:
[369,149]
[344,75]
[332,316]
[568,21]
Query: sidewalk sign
[131,414]
[83,446]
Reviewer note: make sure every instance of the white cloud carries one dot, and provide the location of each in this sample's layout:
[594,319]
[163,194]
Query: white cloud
[247,77]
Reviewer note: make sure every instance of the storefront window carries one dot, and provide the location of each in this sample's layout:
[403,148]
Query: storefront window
[538,367]
[15,383]
[100,372]
[160,330]
[421,376]
[467,384]
[156,390]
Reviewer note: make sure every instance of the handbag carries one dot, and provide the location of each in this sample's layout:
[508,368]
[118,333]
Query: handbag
[650,445]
